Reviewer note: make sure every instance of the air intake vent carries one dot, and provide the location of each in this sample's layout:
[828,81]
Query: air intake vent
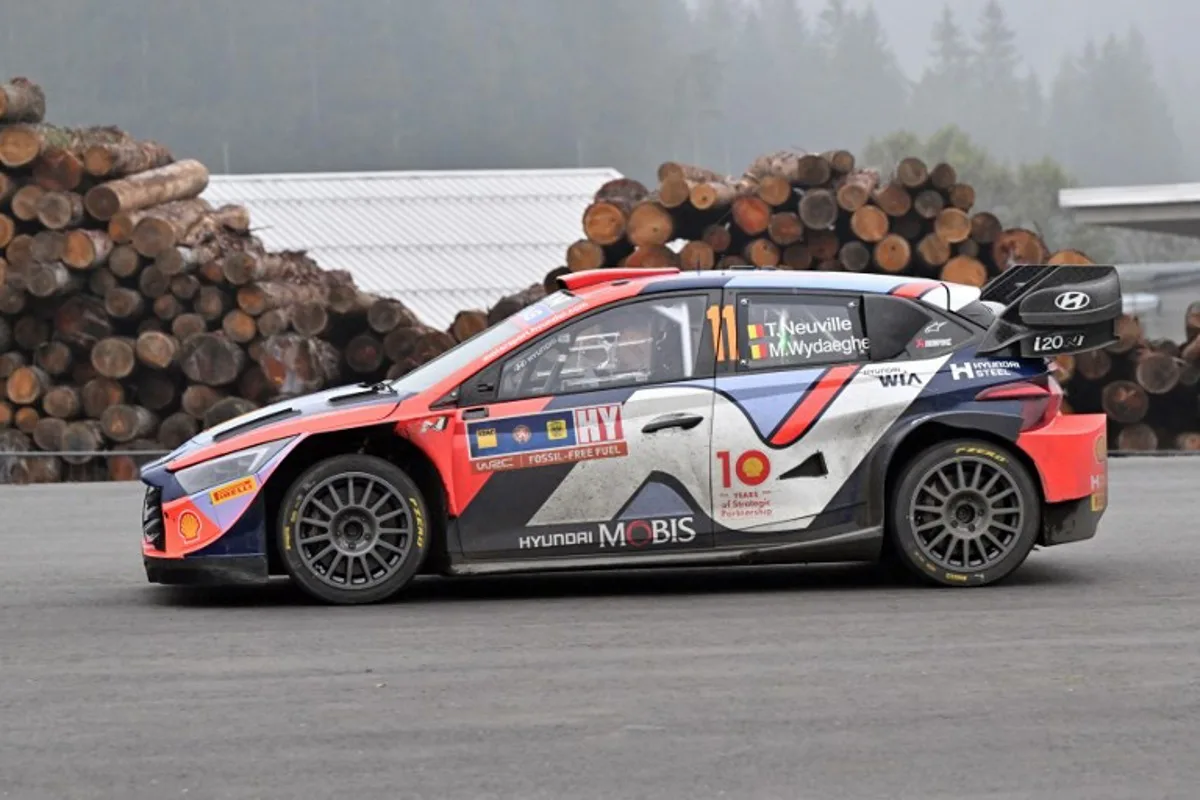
[153,530]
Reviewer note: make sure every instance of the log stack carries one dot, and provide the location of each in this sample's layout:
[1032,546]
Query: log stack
[796,210]
[823,211]
[134,314]
[1148,388]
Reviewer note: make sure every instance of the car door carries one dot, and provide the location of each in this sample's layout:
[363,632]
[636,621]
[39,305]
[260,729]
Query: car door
[594,440]
[788,424]
[818,381]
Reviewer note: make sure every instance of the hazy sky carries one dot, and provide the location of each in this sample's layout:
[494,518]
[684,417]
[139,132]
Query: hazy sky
[1043,27]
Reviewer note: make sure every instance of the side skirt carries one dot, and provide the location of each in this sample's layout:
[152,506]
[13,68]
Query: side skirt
[859,545]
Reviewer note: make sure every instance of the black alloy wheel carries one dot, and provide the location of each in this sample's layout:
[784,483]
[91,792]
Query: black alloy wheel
[353,529]
[964,513]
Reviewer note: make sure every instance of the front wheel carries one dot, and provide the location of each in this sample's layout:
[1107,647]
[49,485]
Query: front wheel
[353,530]
[964,513]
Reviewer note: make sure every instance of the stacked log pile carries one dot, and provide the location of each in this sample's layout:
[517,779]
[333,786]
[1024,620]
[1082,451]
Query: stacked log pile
[1148,388]
[134,314]
[797,210]
[823,211]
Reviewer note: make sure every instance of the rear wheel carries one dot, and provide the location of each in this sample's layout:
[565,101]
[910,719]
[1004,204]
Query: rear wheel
[964,513]
[352,530]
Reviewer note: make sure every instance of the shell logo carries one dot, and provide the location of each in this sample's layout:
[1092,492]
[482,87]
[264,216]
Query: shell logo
[753,467]
[189,526]
[1101,448]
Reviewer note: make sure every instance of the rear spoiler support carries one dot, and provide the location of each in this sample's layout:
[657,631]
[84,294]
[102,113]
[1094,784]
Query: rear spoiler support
[1052,310]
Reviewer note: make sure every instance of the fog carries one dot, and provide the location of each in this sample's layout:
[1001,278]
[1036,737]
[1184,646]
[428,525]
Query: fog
[1105,88]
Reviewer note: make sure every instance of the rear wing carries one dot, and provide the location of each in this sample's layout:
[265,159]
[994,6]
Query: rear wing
[1052,310]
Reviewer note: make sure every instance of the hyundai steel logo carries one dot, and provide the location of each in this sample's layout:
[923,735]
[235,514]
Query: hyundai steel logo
[1072,301]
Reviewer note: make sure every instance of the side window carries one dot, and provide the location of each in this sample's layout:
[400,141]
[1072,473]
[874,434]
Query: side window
[904,329]
[798,330]
[645,342]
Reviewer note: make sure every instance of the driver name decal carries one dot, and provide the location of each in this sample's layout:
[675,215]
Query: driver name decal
[546,439]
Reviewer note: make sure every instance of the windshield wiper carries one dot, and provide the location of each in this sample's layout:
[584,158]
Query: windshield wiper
[378,386]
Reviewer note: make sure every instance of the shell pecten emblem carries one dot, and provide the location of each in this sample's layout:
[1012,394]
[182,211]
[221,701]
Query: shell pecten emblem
[189,526]
[753,467]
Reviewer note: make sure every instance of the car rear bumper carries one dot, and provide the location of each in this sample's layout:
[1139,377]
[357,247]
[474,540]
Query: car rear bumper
[1071,456]
[207,570]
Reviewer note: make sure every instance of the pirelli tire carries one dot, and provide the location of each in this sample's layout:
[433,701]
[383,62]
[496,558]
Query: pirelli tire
[353,529]
[964,512]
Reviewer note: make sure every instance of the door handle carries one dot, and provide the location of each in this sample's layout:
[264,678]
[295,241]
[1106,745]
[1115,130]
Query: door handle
[685,421]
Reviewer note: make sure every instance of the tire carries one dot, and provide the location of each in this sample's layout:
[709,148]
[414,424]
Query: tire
[1001,523]
[392,540]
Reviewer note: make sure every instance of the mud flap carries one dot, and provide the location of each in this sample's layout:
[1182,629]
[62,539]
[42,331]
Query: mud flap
[1071,521]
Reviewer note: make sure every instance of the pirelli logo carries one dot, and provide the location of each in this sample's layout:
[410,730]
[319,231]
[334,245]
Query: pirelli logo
[232,491]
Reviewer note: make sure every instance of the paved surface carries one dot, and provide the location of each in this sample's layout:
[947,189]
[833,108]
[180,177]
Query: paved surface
[1077,680]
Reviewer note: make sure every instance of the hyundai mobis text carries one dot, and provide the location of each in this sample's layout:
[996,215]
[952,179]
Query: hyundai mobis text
[654,417]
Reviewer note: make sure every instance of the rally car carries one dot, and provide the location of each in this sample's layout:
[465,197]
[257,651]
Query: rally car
[653,417]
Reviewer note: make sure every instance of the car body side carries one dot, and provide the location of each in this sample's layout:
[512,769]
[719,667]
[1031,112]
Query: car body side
[227,533]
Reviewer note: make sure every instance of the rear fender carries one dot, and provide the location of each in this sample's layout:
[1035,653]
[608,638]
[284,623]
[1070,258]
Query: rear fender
[922,431]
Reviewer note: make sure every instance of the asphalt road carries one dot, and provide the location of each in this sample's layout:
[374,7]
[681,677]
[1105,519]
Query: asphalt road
[1076,680]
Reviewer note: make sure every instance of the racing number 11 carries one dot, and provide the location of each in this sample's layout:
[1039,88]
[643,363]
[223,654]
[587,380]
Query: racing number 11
[727,346]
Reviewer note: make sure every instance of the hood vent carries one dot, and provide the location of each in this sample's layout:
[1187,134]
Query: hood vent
[257,422]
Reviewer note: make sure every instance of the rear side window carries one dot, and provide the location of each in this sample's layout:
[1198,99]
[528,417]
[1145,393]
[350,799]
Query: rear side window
[905,329]
[799,330]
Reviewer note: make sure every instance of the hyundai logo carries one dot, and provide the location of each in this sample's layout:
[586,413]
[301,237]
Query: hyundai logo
[1072,301]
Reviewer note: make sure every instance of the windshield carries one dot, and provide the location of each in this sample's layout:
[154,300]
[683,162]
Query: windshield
[529,321]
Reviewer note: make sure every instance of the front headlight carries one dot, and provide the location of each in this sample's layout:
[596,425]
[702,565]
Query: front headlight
[228,467]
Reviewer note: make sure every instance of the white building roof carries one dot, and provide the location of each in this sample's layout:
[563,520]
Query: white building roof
[1165,208]
[437,241]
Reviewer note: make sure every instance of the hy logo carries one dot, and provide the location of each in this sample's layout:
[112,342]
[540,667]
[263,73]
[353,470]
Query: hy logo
[1072,301]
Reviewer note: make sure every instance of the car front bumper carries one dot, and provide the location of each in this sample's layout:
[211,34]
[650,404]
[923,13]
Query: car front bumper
[207,570]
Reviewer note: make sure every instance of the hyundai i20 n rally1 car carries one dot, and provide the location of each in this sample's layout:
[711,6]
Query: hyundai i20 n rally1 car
[649,417]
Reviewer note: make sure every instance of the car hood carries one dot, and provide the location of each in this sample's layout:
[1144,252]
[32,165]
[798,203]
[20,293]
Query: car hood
[334,408]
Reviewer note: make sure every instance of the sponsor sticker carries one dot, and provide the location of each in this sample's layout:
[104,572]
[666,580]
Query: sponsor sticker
[973,370]
[1101,448]
[189,526]
[433,424]
[548,438]
[893,376]
[740,496]
[642,533]
[635,534]
[234,490]
[923,344]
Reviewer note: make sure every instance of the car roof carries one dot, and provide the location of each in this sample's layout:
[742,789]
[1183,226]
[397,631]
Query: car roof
[871,283]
